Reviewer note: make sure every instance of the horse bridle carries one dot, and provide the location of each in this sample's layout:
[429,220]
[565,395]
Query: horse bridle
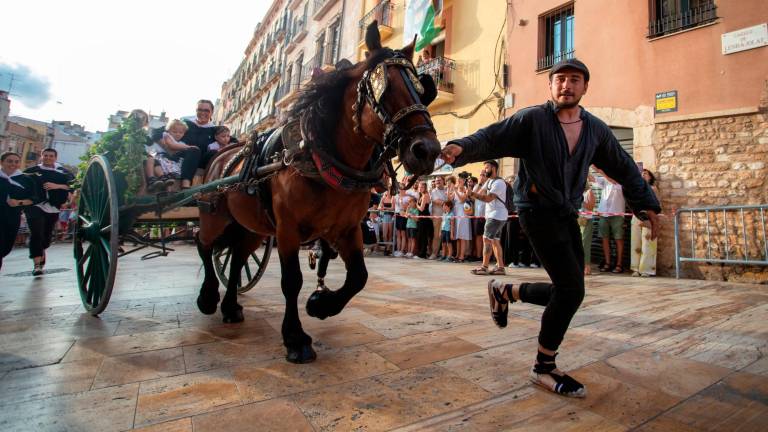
[371,88]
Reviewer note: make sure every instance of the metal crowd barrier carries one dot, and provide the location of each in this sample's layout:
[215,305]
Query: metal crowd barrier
[742,242]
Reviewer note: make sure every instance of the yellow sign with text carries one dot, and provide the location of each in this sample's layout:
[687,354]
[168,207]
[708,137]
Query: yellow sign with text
[666,101]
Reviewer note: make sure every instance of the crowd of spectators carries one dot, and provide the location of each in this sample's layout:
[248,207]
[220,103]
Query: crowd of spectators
[437,219]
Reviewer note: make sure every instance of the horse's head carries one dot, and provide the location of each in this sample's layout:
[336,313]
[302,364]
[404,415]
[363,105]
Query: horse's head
[391,105]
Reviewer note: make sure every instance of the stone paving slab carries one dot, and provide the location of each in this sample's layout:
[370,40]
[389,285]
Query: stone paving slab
[415,351]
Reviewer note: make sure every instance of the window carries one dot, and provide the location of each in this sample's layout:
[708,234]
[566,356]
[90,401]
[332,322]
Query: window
[319,50]
[299,69]
[670,16]
[333,42]
[555,37]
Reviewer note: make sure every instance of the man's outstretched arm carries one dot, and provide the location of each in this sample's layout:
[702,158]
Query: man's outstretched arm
[509,137]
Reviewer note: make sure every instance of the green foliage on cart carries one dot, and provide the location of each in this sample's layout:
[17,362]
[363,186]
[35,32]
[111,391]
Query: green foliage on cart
[124,148]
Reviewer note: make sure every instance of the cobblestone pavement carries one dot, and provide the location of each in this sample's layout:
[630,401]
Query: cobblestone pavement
[416,350]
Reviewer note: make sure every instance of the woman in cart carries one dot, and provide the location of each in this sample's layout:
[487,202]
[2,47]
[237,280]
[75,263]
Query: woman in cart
[17,191]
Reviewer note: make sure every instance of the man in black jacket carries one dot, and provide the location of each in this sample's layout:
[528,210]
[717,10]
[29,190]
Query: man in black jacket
[556,143]
[53,181]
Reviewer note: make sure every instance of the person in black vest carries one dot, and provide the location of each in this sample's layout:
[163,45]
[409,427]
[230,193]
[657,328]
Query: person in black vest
[201,131]
[53,185]
[16,191]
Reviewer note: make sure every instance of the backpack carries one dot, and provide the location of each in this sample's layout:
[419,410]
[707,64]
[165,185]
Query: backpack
[509,202]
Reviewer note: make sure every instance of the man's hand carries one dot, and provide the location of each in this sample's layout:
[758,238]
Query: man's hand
[52,186]
[450,153]
[655,222]
[14,202]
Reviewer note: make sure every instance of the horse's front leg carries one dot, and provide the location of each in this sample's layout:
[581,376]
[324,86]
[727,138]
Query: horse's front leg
[324,303]
[297,343]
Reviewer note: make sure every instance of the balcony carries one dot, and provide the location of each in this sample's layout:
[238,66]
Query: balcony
[329,57]
[322,7]
[383,13]
[442,70]
[286,94]
[296,35]
[547,61]
[663,24]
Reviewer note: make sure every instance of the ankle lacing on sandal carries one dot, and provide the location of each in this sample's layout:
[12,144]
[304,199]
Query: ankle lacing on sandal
[564,384]
[499,304]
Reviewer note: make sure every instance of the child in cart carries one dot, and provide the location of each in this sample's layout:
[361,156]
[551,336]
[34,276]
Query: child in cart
[165,158]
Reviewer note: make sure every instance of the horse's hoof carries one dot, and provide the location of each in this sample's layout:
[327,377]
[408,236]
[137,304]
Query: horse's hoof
[304,354]
[207,306]
[317,304]
[231,317]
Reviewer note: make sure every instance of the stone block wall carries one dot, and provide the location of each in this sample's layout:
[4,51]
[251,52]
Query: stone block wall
[715,161]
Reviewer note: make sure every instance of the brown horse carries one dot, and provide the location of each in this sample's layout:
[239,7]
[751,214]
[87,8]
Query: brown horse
[354,114]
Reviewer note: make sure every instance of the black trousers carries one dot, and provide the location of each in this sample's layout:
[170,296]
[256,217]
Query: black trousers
[206,157]
[556,239]
[423,235]
[10,219]
[41,226]
[517,249]
[190,159]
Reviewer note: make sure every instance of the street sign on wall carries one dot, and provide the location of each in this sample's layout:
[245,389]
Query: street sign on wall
[666,102]
[745,39]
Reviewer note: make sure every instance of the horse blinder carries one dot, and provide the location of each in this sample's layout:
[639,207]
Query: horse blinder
[429,88]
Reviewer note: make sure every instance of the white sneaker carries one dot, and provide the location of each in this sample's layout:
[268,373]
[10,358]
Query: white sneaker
[397,254]
[534,266]
[416,257]
[409,255]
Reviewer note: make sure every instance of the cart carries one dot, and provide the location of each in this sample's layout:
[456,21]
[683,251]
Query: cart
[105,226]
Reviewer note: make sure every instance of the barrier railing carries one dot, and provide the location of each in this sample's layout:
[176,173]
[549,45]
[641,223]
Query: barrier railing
[716,238]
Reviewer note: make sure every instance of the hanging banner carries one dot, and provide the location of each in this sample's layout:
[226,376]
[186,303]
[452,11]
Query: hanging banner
[420,21]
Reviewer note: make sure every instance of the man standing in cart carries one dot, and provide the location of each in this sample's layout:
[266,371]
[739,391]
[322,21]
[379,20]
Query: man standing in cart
[556,143]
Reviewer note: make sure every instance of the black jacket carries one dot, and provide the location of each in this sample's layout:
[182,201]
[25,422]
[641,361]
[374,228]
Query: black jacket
[535,136]
[59,176]
[198,136]
[29,190]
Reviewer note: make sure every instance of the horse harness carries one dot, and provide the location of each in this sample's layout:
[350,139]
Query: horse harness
[292,145]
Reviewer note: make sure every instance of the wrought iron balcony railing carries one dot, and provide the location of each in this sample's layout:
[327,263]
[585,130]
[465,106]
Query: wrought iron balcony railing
[441,69]
[382,12]
[547,61]
[692,17]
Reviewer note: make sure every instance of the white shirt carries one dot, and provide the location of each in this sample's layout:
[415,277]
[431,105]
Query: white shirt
[479,205]
[437,195]
[612,199]
[496,209]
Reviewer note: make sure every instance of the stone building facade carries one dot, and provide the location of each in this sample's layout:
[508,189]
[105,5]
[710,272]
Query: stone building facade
[294,38]
[708,147]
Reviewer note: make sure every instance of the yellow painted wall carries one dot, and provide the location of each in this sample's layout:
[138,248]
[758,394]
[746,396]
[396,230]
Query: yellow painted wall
[472,29]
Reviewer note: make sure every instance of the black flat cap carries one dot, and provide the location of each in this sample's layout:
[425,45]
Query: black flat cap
[571,63]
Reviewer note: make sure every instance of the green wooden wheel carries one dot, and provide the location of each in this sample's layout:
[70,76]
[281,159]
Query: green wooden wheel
[252,271]
[96,236]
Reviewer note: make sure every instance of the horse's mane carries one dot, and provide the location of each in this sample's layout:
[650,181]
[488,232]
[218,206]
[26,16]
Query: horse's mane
[320,102]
